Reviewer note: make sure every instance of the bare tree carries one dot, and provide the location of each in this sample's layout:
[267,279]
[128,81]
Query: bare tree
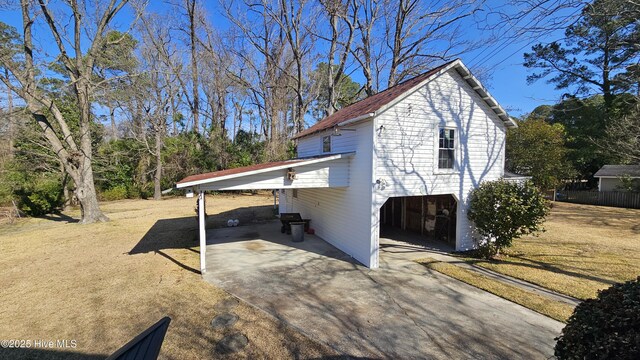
[191,8]
[290,16]
[416,26]
[260,47]
[161,64]
[74,148]
[368,13]
[341,21]
[217,83]
[189,81]
[398,39]
[157,110]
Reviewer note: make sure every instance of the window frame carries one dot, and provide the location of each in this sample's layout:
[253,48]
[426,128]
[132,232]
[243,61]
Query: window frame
[454,149]
[322,144]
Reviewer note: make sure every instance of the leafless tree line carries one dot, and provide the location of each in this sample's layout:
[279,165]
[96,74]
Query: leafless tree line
[177,70]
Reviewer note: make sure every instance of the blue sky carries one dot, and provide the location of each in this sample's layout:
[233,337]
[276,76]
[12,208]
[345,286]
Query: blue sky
[505,79]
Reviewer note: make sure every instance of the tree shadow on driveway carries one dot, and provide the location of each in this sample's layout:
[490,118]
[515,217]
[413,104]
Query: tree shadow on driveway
[182,233]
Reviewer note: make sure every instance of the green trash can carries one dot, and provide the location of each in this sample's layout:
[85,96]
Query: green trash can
[297,231]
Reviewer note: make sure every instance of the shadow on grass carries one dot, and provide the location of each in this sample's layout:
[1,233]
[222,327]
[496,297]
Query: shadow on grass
[182,233]
[60,217]
[540,265]
[602,216]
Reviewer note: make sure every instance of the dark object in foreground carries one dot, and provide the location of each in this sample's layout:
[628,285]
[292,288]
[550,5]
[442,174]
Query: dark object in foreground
[607,327]
[287,218]
[145,346]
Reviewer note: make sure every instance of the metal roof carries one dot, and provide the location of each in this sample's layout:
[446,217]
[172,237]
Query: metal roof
[199,179]
[377,103]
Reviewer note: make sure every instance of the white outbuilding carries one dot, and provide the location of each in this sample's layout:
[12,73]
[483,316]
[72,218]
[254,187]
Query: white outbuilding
[610,177]
[404,159]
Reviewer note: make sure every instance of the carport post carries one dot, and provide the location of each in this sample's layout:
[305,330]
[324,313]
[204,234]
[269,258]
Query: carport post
[203,232]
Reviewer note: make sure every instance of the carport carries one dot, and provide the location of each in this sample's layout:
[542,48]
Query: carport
[328,171]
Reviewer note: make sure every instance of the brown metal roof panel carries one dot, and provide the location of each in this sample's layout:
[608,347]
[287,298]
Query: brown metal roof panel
[240,170]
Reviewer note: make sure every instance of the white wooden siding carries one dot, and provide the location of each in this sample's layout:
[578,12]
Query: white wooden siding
[406,149]
[342,216]
[312,145]
[334,173]
[400,147]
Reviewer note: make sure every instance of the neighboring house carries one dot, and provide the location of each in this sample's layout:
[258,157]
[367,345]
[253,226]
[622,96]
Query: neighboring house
[405,158]
[610,176]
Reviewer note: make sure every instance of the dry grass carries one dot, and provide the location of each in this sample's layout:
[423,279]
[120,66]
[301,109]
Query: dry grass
[554,309]
[585,249]
[102,284]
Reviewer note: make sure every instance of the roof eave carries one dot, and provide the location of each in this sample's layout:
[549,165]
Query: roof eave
[616,176]
[259,171]
[342,123]
[484,94]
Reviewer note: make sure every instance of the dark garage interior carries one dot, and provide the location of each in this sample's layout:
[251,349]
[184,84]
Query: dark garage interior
[420,219]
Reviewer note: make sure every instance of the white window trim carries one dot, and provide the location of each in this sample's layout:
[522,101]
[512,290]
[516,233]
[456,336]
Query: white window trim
[456,150]
[322,144]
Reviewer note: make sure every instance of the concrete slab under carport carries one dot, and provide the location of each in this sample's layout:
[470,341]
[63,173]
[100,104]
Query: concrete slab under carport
[401,310]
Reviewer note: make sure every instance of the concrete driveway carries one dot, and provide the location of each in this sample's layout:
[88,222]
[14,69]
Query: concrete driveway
[401,310]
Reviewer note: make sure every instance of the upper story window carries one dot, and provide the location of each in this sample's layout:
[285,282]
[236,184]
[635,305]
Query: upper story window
[446,150]
[326,144]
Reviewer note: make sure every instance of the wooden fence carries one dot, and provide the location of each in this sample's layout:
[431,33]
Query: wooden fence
[604,198]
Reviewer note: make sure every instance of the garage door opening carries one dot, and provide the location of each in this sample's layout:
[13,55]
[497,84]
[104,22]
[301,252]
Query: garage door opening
[420,220]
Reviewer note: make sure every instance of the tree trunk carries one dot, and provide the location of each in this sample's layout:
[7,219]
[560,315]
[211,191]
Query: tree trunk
[114,128]
[401,15]
[174,113]
[606,84]
[191,9]
[157,190]
[331,99]
[300,100]
[85,187]
[12,123]
[89,207]
[65,189]
[86,194]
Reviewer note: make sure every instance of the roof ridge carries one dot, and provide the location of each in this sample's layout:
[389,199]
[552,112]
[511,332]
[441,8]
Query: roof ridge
[367,104]
[398,84]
